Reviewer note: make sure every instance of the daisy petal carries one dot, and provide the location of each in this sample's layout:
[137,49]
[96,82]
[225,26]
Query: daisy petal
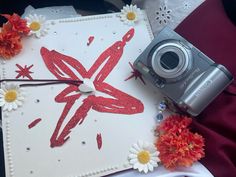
[147,146]
[2,102]
[19,103]
[141,167]
[155,153]
[4,107]
[10,107]
[14,106]
[131,156]
[132,150]
[137,147]
[126,8]
[20,98]
[137,166]
[140,143]
[153,163]
[150,167]
[145,169]
[38,34]
[2,92]
[133,161]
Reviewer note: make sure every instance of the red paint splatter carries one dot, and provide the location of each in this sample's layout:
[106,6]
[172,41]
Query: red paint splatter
[90,40]
[60,65]
[24,72]
[99,140]
[136,74]
[34,123]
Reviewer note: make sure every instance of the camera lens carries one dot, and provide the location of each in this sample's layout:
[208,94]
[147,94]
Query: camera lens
[169,60]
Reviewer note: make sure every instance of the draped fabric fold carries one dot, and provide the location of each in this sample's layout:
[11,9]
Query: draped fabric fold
[210,29]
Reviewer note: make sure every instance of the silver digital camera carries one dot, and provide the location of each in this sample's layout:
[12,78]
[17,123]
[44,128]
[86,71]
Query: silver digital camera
[190,79]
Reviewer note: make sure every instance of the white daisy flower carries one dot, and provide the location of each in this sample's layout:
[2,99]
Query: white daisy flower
[130,14]
[11,97]
[38,25]
[143,156]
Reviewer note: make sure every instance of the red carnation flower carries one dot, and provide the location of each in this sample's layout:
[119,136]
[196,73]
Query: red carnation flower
[180,149]
[10,44]
[174,123]
[16,23]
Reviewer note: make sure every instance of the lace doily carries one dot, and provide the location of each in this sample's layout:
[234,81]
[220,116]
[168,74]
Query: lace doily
[52,13]
[167,12]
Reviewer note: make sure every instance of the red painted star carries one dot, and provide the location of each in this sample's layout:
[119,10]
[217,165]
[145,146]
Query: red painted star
[65,67]
[24,72]
[136,74]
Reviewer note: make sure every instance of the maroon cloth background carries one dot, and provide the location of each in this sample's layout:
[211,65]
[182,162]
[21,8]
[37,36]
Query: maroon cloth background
[210,30]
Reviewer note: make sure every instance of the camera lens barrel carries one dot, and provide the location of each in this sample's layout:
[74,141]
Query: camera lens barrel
[171,60]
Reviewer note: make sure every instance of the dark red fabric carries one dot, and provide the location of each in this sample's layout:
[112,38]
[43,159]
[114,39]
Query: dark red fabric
[210,30]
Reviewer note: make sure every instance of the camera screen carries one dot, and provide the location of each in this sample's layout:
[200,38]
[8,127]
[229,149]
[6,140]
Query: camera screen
[169,60]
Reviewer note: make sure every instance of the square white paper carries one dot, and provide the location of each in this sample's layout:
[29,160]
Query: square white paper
[28,152]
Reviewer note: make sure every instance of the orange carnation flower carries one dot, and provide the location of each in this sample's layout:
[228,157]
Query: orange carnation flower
[174,123]
[7,27]
[176,144]
[180,149]
[15,23]
[10,44]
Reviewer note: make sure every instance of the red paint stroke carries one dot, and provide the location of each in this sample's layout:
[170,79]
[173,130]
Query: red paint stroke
[90,40]
[65,67]
[99,140]
[34,123]
[24,72]
[136,74]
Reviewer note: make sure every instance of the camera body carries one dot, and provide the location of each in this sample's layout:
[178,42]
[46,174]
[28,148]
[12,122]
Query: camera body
[190,79]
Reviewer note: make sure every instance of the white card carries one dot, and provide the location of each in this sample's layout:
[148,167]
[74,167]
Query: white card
[101,126]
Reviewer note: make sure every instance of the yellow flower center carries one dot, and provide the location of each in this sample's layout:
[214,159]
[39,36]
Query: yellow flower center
[35,26]
[10,96]
[130,15]
[144,157]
